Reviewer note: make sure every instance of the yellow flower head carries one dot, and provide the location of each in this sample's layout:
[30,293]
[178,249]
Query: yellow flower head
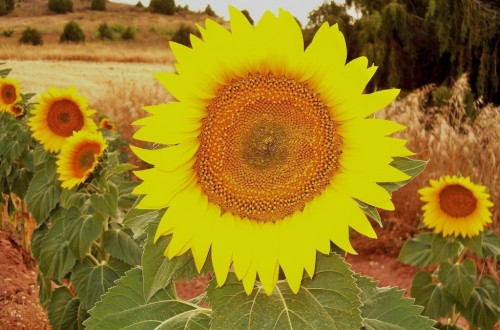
[57,115]
[105,123]
[78,158]
[456,206]
[9,93]
[268,147]
[16,109]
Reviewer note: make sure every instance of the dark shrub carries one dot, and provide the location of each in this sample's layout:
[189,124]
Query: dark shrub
[247,15]
[166,7]
[210,12]
[128,33]
[61,6]
[6,6]
[31,36]
[105,32]
[8,33]
[72,33]
[182,35]
[98,5]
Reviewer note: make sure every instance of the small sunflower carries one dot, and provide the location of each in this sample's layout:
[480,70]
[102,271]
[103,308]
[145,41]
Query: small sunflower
[57,115]
[105,123]
[16,109]
[456,206]
[268,149]
[79,157]
[9,93]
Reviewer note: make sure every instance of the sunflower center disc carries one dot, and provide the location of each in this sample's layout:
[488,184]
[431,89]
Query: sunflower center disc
[457,201]
[268,145]
[85,158]
[8,94]
[64,118]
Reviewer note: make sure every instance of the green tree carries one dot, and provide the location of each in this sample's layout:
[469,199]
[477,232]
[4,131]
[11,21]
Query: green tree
[61,6]
[166,7]
[31,36]
[98,5]
[72,33]
[6,6]
[210,12]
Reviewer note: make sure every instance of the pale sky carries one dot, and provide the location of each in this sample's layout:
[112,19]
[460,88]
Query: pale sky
[298,8]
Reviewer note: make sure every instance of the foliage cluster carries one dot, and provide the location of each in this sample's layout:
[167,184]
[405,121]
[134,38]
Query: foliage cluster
[61,6]
[31,36]
[8,33]
[456,287]
[210,12]
[421,42]
[183,35]
[165,7]
[72,33]
[6,6]
[106,32]
[98,5]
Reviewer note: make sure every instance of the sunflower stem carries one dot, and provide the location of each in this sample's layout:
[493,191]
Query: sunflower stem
[93,259]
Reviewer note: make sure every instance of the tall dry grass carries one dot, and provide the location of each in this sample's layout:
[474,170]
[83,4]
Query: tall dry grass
[451,141]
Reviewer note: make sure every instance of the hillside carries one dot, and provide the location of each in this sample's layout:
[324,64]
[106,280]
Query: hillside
[150,45]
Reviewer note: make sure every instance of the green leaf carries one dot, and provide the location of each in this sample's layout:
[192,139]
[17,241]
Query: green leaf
[445,326]
[63,310]
[138,220]
[44,289]
[412,167]
[475,244]
[36,241]
[80,230]
[370,211]
[328,301]
[417,251]
[56,258]
[92,281]
[437,303]
[158,271]
[483,308]
[458,279]
[106,203]
[120,244]
[444,249]
[74,198]
[124,306]
[21,182]
[386,309]
[43,192]
[491,244]
[5,72]
[121,168]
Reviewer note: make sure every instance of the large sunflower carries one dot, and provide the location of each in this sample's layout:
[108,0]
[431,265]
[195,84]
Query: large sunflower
[9,93]
[57,115]
[456,206]
[78,158]
[267,149]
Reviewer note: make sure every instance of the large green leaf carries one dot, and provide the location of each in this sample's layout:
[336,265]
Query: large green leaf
[44,289]
[80,230]
[437,302]
[63,310]
[56,258]
[120,244]
[444,249]
[92,281]
[483,308]
[70,198]
[328,301]
[458,279]
[158,271]
[412,167]
[138,220]
[491,244]
[417,251]
[106,203]
[43,192]
[386,309]
[475,244]
[124,306]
